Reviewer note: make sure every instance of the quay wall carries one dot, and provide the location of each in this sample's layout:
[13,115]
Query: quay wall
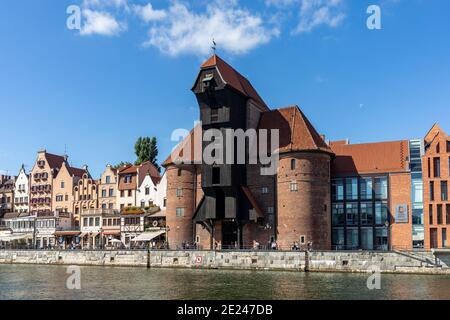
[329,261]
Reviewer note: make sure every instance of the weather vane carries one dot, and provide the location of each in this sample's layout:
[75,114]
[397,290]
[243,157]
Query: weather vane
[214,46]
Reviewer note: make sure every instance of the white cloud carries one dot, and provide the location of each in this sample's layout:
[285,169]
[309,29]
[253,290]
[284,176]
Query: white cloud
[147,13]
[313,13]
[101,23]
[179,28]
[236,30]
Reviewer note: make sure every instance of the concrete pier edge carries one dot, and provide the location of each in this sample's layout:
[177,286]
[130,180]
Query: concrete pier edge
[318,261]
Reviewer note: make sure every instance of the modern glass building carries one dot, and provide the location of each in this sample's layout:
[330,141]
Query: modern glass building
[360,216]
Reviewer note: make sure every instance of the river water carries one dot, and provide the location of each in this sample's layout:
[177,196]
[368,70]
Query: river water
[49,282]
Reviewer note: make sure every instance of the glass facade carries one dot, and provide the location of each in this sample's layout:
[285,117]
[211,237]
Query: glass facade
[415,154]
[360,213]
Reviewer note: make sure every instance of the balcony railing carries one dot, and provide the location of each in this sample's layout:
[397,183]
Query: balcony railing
[101,211]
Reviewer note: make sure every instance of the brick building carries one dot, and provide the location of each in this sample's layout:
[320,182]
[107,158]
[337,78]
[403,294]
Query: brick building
[436,176]
[335,195]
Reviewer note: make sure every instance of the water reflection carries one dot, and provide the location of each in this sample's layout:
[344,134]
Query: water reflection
[49,282]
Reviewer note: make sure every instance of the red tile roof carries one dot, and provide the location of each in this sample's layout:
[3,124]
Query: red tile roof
[54,161]
[296,132]
[77,172]
[234,79]
[368,158]
[128,169]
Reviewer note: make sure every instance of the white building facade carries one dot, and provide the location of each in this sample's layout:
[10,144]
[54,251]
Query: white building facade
[21,192]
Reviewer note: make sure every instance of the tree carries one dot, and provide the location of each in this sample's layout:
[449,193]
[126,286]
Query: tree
[146,149]
[121,164]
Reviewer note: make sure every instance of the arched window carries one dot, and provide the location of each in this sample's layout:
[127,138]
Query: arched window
[179,172]
[293,164]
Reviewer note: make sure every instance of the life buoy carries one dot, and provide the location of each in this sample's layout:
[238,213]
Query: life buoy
[155,223]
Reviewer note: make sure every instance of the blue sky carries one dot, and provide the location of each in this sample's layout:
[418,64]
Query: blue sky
[128,71]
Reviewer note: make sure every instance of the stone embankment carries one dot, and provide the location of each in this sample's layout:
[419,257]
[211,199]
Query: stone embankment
[330,261]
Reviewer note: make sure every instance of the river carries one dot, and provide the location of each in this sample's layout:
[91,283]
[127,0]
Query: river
[49,282]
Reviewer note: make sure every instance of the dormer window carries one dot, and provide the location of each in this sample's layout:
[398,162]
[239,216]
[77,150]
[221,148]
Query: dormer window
[208,82]
[214,115]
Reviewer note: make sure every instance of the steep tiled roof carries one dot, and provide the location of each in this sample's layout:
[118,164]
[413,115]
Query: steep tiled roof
[382,157]
[77,172]
[54,161]
[128,169]
[234,78]
[296,132]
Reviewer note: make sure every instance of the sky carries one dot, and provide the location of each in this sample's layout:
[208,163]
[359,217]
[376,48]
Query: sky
[128,70]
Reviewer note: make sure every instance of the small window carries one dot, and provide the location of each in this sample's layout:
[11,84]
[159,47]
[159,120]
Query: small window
[179,192]
[214,115]
[294,186]
[108,179]
[216,175]
[264,190]
[270,210]
[62,184]
[293,164]
[302,240]
[147,191]
[180,212]
[179,172]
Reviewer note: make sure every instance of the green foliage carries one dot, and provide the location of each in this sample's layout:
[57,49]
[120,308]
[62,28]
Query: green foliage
[146,149]
[121,164]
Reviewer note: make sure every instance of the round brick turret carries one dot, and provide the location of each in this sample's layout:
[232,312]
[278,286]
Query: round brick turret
[303,194]
[180,227]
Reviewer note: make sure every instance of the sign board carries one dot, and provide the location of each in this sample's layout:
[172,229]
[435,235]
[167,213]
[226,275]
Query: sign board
[401,213]
[198,260]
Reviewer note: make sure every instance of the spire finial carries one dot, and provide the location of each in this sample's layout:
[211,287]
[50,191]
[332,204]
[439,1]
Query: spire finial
[214,46]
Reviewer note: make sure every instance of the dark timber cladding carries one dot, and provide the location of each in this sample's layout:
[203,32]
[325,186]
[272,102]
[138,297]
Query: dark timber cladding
[223,96]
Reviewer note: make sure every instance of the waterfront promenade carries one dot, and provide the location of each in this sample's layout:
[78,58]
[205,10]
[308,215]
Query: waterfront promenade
[296,261]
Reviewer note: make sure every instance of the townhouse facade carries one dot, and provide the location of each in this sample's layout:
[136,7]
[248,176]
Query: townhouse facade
[436,177]
[7,188]
[21,192]
[85,194]
[132,191]
[44,171]
[59,205]
[63,184]
[107,194]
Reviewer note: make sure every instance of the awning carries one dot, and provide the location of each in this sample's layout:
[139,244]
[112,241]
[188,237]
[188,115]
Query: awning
[16,237]
[148,236]
[111,233]
[67,233]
